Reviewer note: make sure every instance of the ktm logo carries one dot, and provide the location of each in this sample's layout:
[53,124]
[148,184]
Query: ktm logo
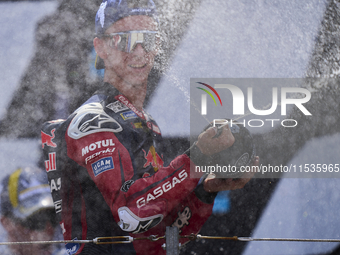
[153,158]
[47,139]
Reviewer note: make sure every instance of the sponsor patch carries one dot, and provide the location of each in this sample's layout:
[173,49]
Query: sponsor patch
[128,115]
[117,107]
[57,206]
[183,219]
[99,153]
[72,248]
[160,190]
[152,158]
[156,129]
[153,127]
[97,145]
[138,125]
[102,165]
[50,164]
[47,139]
[125,187]
[55,184]
[125,101]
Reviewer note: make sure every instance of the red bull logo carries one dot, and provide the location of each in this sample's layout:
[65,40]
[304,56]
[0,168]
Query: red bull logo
[153,158]
[50,164]
[47,139]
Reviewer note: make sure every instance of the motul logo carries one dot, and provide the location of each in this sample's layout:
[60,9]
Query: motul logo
[100,144]
[50,164]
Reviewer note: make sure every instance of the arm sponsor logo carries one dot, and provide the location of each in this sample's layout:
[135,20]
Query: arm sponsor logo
[55,185]
[182,219]
[137,125]
[57,206]
[99,153]
[102,165]
[47,139]
[125,101]
[50,164]
[152,158]
[154,128]
[72,248]
[117,107]
[128,115]
[159,191]
[97,145]
[125,187]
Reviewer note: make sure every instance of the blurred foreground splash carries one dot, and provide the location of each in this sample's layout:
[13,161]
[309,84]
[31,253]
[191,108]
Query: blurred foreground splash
[59,79]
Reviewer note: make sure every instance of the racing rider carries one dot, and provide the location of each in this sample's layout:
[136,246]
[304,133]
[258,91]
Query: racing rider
[108,173]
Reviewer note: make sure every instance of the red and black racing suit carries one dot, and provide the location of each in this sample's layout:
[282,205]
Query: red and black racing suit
[107,176]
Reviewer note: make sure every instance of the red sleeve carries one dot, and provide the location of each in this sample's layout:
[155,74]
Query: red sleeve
[148,200]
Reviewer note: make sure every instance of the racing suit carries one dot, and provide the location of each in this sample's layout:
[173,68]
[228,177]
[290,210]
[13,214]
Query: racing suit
[109,176]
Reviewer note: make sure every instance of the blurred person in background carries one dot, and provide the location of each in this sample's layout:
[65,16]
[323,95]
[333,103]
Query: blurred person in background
[27,213]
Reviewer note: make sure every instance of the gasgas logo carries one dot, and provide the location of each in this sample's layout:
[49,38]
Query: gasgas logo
[239,102]
[161,190]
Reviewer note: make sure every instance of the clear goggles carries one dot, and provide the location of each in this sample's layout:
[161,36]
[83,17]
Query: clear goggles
[127,41]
